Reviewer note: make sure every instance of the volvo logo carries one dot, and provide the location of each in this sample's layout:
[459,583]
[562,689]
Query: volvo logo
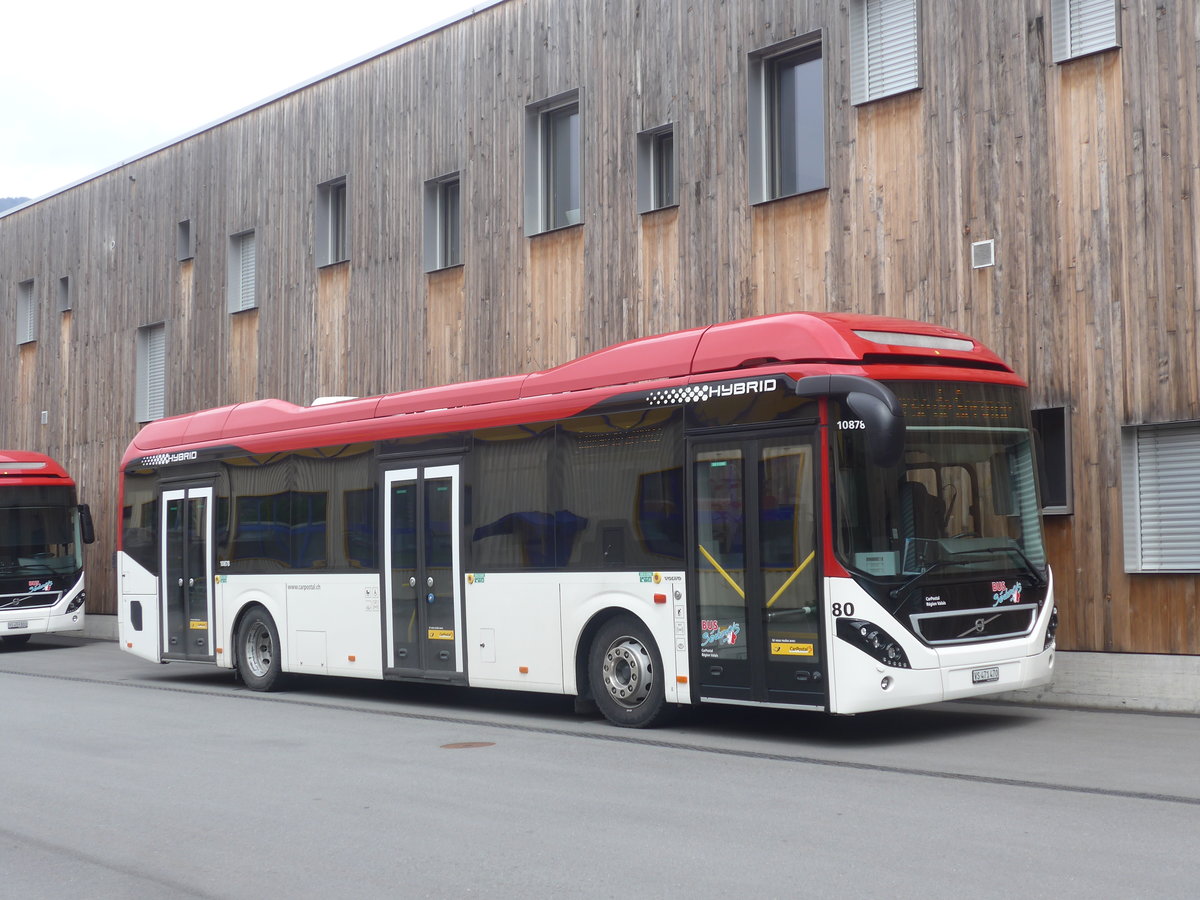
[980,624]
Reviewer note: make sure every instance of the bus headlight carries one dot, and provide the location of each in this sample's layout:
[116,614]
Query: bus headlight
[873,641]
[1052,628]
[77,602]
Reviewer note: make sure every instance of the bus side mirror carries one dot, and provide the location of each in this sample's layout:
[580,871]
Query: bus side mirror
[87,530]
[871,402]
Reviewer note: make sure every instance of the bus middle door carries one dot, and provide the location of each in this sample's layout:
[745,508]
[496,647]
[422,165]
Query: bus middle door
[422,572]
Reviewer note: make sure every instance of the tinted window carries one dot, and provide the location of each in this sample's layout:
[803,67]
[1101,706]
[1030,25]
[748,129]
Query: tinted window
[139,520]
[513,523]
[621,498]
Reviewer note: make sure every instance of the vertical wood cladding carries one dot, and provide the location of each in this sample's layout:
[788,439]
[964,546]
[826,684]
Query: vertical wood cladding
[1085,174]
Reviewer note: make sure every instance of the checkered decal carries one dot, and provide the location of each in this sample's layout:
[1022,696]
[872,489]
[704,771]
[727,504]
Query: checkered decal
[689,393]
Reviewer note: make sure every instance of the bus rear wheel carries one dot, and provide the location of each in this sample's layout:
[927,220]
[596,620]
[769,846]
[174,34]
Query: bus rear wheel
[626,674]
[258,651]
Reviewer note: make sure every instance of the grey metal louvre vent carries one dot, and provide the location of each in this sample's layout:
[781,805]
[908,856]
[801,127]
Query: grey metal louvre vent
[983,254]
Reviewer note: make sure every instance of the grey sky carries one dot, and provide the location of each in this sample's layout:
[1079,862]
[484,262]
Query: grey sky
[86,85]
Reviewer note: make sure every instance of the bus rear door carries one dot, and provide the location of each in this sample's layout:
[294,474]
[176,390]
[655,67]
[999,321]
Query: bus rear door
[754,567]
[422,572]
[187,573]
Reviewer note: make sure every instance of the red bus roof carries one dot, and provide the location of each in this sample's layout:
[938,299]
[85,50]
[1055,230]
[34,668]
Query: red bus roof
[819,339]
[27,467]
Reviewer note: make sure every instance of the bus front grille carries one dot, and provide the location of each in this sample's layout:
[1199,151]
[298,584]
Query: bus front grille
[965,626]
[34,600]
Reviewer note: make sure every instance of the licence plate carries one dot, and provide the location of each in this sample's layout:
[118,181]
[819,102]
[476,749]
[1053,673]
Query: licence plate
[983,676]
[12,625]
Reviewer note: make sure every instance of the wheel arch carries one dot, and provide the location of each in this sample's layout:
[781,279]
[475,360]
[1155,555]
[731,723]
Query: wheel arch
[587,635]
[249,602]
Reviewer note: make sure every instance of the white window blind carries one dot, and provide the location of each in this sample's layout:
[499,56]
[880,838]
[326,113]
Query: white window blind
[242,272]
[246,267]
[1161,492]
[885,48]
[26,313]
[1081,27]
[152,372]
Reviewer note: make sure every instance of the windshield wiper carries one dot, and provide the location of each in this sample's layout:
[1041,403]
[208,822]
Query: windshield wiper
[978,553]
[1039,580]
[903,589]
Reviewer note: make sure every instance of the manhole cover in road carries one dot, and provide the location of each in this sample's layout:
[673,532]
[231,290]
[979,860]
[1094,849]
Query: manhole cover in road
[468,745]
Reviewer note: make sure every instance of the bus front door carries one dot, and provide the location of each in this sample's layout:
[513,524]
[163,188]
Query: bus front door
[187,573]
[422,612]
[756,631]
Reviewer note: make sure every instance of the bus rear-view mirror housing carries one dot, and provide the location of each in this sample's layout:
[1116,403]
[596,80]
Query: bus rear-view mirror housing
[87,529]
[872,403]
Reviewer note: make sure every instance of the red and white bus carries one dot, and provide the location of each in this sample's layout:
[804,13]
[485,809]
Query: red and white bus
[817,511]
[42,533]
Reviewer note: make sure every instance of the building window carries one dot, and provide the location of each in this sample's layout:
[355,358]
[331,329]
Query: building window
[1161,497]
[656,169]
[27,313]
[331,222]
[151,372]
[64,294]
[1082,27]
[553,192]
[443,229]
[185,244]
[884,48]
[1053,427]
[787,120]
[242,266]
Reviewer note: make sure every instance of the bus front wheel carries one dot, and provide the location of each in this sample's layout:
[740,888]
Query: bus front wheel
[626,674]
[258,651]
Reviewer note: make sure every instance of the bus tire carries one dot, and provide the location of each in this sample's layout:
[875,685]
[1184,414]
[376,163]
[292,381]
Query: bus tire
[15,640]
[258,650]
[626,674]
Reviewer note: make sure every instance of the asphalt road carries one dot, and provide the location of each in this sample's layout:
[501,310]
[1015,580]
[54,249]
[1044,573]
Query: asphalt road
[125,779]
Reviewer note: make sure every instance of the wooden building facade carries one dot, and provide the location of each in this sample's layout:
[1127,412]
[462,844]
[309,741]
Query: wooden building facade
[1082,169]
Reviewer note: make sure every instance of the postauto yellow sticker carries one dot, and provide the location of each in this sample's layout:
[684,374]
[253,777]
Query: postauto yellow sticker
[198,626]
[786,648]
[441,634]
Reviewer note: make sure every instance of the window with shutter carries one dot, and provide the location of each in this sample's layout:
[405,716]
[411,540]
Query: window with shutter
[1082,27]
[151,372]
[884,48]
[1161,493]
[26,313]
[242,266]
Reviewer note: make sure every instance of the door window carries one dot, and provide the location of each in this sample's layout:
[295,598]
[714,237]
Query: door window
[187,573]
[755,569]
[423,614]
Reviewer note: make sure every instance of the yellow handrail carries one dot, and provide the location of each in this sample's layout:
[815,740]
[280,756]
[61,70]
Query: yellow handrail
[791,578]
[716,565]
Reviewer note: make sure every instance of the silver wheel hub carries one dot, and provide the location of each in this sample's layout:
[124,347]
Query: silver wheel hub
[628,671]
[260,650]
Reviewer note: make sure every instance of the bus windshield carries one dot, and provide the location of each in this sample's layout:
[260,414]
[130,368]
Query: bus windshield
[39,532]
[963,499]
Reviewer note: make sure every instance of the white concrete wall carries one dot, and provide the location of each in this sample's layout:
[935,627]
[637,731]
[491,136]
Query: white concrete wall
[1134,681]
